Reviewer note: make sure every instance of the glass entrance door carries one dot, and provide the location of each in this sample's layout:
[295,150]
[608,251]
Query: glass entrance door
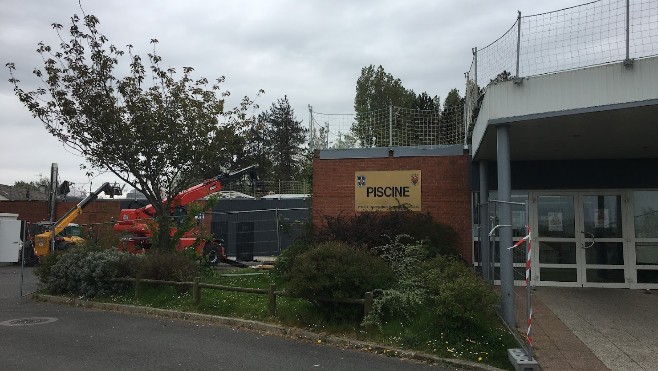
[603,243]
[580,239]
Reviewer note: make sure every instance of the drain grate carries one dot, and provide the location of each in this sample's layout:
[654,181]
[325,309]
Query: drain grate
[28,321]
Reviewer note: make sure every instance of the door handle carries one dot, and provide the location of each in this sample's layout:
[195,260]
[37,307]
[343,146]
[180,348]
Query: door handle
[587,234]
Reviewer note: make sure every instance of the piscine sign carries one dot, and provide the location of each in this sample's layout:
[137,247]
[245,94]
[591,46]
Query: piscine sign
[387,190]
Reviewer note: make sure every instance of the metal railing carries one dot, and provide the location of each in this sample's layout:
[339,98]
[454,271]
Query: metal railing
[595,33]
[388,127]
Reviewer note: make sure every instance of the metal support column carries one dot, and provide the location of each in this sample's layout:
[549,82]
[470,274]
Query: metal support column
[505,222]
[487,267]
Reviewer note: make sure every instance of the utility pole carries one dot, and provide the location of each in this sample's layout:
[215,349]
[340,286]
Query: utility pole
[53,200]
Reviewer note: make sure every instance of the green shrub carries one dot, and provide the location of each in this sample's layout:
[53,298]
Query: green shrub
[286,260]
[463,301]
[85,272]
[402,302]
[168,266]
[337,271]
[372,229]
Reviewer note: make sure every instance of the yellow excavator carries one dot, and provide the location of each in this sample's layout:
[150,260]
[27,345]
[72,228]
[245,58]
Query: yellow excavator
[64,231]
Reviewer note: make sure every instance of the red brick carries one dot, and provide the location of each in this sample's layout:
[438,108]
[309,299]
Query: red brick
[445,192]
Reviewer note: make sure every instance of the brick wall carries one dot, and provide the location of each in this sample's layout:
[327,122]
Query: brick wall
[445,192]
[99,211]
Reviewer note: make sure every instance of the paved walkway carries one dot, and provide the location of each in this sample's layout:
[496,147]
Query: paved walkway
[595,329]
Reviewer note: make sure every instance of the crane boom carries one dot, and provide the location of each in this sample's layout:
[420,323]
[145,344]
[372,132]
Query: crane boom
[42,241]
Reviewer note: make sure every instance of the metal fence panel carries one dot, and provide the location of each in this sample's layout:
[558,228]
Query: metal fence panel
[258,227]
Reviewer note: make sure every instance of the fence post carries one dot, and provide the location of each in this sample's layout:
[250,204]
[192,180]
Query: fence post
[466,114]
[367,303]
[278,236]
[138,287]
[475,69]
[196,291]
[627,61]
[518,43]
[271,300]
[310,128]
[390,123]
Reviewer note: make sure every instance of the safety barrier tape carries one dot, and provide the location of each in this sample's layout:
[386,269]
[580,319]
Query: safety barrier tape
[527,239]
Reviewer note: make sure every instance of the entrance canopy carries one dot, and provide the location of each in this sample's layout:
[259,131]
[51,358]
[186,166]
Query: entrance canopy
[602,112]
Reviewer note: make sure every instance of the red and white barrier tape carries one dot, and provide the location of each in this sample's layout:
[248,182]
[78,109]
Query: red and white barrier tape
[528,239]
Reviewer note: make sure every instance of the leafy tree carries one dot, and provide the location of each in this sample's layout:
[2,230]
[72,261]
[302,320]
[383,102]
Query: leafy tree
[424,102]
[475,96]
[375,88]
[285,136]
[421,124]
[154,128]
[452,117]
[43,184]
[256,149]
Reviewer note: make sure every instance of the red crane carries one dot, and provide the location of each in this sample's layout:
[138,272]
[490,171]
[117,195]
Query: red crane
[137,224]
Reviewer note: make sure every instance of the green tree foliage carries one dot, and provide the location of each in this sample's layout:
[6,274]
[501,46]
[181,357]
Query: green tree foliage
[462,302]
[156,129]
[475,95]
[425,102]
[42,184]
[452,118]
[257,149]
[420,124]
[284,137]
[375,88]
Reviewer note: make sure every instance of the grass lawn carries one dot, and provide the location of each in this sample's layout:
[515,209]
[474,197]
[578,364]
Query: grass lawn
[418,333]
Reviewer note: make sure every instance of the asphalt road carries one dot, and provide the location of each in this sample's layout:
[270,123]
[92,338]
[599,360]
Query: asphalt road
[39,336]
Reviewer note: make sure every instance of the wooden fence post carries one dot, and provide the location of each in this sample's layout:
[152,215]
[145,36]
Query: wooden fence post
[196,291]
[138,288]
[367,303]
[271,300]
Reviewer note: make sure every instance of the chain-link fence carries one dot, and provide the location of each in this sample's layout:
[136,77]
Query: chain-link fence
[389,127]
[595,33]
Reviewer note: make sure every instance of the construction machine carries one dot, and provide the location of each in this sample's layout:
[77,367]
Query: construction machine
[137,225]
[64,232]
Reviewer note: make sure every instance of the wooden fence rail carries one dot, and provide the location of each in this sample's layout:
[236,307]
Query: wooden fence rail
[270,292]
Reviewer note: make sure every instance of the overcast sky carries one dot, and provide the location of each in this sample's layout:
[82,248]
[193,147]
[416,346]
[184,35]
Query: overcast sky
[310,50]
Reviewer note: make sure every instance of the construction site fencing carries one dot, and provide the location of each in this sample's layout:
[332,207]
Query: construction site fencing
[387,127]
[488,263]
[252,228]
[262,188]
[595,33]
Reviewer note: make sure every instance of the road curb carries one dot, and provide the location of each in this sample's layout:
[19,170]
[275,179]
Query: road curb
[267,328]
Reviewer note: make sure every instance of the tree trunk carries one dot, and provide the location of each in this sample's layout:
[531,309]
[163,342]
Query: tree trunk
[163,240]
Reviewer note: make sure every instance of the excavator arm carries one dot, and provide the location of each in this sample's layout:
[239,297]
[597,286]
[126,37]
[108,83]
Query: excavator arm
[199,191]
[42,240]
